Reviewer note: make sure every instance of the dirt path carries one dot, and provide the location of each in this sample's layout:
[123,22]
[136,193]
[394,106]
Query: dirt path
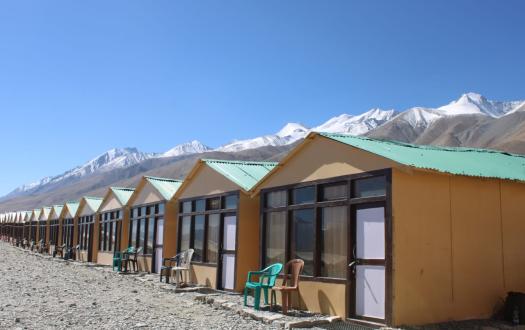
[37,292]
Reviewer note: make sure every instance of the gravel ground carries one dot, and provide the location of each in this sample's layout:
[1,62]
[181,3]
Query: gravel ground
[37,292]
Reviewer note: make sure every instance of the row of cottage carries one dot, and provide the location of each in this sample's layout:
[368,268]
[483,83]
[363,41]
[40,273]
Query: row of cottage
[389,232]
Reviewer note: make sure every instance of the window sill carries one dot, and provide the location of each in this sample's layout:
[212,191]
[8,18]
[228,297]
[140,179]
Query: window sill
[307,278]
[200,263]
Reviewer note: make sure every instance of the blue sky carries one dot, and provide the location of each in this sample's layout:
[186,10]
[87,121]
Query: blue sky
[80,77]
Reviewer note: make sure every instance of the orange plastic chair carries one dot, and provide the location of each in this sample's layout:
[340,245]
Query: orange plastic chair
[292,269]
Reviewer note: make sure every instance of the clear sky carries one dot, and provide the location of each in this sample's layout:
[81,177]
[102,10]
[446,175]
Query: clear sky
[80,77]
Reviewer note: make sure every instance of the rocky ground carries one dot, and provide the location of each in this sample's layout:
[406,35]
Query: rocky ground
[37,292]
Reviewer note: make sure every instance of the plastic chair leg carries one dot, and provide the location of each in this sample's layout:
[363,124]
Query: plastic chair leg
[245,296]
[265,295]
[257,298]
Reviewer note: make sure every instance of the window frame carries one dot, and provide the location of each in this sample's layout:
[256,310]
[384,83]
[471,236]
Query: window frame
[222,211]
[318,206]
[107,222]
[153,215]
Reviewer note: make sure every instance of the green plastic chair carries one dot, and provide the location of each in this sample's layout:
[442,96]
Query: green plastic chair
[117,261]
[267,278]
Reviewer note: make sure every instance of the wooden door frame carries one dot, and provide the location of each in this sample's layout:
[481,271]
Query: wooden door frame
[229,252]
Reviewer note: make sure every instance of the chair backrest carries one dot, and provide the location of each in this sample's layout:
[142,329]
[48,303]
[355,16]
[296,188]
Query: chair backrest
[293,269]
[270,273]
[184,259]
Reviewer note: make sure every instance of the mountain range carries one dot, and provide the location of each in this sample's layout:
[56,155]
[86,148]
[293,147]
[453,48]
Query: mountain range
[472,121]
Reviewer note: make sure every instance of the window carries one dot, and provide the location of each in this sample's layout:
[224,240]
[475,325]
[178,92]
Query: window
[334,233]
[200,226]
[334,191]
[276,199]
[230,202]
[303,195]
[311,223]
[369,187]
[303,237]
[185,233]
[142,227]
[110,228]
[200,205]
[212,251]
[198,243]
[67,232]
[275,237]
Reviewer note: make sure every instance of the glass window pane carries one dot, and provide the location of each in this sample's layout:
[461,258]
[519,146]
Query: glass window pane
[200,205]
[185,233]
[369,187]
[334,241]
[151,232]
[275,234]
[303,238]
[276,199]
[303,195]
[142,233]
[214,204]
[230,202]
[186,207]
[198,241]
[214,222]
[161,209]
[133,232]
[334,191]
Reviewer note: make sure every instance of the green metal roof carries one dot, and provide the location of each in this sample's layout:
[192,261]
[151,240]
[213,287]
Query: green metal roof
[45,211]
[57,209]
[122,194]
[93,202]
[72,206]
[37,213]
[461,161]
[166,187]
[246,174]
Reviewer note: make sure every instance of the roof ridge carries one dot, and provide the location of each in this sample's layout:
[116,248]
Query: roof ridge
[423,146]
[122,188]
[244,162]
[163,179]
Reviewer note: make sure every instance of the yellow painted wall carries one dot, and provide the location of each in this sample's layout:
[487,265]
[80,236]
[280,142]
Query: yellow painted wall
[207,182]
[513,228]
[324,158]
[204,275]
[451,236]
[248,253]
[319,297]
[170,229]
[105,258]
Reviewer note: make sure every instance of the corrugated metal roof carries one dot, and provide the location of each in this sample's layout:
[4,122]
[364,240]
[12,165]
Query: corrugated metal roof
[72,206]
[166,187]
[57,209]
[36,212]
[93,202]
[44,214]
[245,174]
[122,194]
[461,161]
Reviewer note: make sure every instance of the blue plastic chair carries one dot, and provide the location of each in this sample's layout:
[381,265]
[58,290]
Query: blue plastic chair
[267,278]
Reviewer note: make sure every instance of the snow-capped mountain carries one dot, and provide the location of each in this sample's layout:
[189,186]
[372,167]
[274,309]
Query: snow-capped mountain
[473,103]
[356,125]
[290,133]
[408,124]
[192,147]
[419,117]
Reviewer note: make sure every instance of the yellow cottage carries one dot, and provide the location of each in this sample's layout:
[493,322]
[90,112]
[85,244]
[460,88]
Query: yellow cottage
[394,233]
[219,220]
[153,212]
[111,224]
[85,227]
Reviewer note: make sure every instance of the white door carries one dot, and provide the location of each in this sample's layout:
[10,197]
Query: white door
[229,240]
[370,262]
[159,243]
